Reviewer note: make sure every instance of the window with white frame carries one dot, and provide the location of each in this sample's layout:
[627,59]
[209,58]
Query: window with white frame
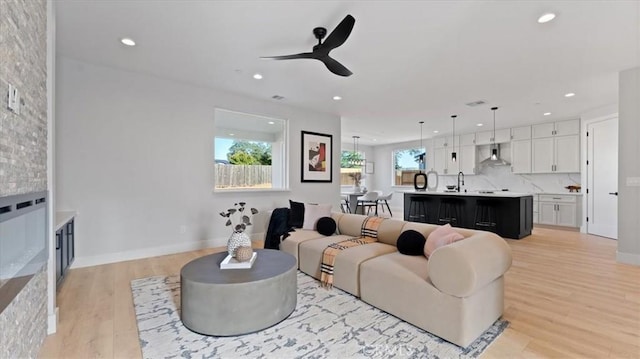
[249,152]
[352,168]
[406,163]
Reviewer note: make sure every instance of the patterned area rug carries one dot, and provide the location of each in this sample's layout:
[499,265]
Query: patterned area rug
[325,324]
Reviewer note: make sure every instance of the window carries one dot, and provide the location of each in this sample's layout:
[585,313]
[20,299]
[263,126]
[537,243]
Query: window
[406,163]
[351,168]
[249,152]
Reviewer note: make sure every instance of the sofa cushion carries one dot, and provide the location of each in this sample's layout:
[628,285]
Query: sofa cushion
[351,224]
[291,243]
[389,231]
[411,243]
[313,212]
[346,268]
[441,237]
[326,226]
[296,214]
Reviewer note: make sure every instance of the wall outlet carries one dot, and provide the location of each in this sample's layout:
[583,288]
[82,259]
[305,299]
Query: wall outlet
[633,181]
[13,100]
[183,229]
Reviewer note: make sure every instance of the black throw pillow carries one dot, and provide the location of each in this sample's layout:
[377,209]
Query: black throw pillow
[326,226]
[411,243]
[296,214]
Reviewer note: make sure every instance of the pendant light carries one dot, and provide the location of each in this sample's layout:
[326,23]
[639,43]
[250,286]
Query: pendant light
[494,159]
[422,155]
[420,179]
[355,159]
[454,156]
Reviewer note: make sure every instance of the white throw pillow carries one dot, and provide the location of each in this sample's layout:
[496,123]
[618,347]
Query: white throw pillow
[313,212]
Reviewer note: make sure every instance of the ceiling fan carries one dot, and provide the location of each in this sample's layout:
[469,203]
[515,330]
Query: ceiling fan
[321,51]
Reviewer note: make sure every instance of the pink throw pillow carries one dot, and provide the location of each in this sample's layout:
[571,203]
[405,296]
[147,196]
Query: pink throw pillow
[441,236]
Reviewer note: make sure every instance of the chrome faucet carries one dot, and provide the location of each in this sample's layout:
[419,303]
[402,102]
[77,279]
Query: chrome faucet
[459,182]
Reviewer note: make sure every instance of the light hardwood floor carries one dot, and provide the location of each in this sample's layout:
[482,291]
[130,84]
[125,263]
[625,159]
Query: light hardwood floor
[565,297]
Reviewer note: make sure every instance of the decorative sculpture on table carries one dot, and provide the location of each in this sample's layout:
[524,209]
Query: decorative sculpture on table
[239,219]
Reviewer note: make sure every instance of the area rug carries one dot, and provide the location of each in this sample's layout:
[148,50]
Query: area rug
[325,324]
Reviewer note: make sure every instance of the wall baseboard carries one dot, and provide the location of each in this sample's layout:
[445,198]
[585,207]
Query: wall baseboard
[88,261]
[628,258]
[52,322]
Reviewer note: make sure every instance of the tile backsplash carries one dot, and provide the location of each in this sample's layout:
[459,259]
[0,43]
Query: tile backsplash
[497,178]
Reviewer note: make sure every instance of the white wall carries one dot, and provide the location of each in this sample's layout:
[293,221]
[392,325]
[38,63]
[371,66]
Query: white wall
[629,167]
[134,158]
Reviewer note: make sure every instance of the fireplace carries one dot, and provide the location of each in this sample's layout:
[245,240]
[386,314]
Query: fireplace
[23,242]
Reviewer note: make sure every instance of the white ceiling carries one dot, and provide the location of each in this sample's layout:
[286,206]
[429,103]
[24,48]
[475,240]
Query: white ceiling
[412,60]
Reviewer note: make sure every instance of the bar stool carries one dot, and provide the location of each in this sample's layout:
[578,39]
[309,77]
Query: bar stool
[449,211]
[417,210]
[485,217]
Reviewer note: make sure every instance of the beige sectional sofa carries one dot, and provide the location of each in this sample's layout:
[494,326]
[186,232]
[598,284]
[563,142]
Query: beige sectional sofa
[457,294]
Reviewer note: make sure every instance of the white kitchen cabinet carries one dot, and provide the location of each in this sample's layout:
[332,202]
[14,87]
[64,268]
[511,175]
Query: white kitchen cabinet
[440,160]
[549,129]
[468,139]
[487,138]
[567,153]
[521,156]
[556,154]
[558,210]
[467,163]
[521,133]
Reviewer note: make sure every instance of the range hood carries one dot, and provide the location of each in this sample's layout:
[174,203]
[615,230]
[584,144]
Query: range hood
[494,159]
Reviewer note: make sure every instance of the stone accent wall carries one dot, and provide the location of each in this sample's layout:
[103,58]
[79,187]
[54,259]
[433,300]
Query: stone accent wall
[24,321]
[23,155]
[23,137]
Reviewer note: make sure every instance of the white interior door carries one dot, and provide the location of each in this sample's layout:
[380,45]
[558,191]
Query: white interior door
[602,178]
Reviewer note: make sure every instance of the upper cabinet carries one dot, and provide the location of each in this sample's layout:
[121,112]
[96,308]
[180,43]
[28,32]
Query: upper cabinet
[521,133]
[551,129]
[556,147]
[486,137]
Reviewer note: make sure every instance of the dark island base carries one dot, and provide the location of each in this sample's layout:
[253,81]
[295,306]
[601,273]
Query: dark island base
[514,215]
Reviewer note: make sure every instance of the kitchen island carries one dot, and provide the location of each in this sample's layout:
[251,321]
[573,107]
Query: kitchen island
[510,214]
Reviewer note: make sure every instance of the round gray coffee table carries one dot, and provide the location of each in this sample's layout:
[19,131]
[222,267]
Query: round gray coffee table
[225,302]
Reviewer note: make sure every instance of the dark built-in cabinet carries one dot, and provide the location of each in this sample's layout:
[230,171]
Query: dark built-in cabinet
[65,249]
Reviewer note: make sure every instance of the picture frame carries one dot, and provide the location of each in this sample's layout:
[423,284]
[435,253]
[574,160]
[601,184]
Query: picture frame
[316,157]
[368,167]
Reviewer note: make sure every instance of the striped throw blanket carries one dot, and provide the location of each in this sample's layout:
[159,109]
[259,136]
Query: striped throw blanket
[368,234]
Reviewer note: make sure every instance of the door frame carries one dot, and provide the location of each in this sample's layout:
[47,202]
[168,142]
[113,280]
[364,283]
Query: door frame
[583,162]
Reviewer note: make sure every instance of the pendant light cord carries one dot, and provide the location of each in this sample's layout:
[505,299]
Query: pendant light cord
[493,143]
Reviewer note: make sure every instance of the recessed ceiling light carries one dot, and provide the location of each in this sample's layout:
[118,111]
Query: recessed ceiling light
[546,114]
[337,98]
[127,41]
[257,76]
[375,139]
[570,94]
[436,131]
[546,17]
[232,134]
[271,122]
[480,124]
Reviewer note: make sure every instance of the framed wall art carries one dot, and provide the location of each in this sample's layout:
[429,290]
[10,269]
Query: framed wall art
[317,150]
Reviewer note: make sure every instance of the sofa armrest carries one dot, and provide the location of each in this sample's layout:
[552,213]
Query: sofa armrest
[463,267]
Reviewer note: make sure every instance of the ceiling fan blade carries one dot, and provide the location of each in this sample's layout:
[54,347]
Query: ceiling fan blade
[335,67]
[304,55]
[340,34]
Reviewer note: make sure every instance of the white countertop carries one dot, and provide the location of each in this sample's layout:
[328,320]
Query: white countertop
[503,194]
[63,217]
[561,193]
